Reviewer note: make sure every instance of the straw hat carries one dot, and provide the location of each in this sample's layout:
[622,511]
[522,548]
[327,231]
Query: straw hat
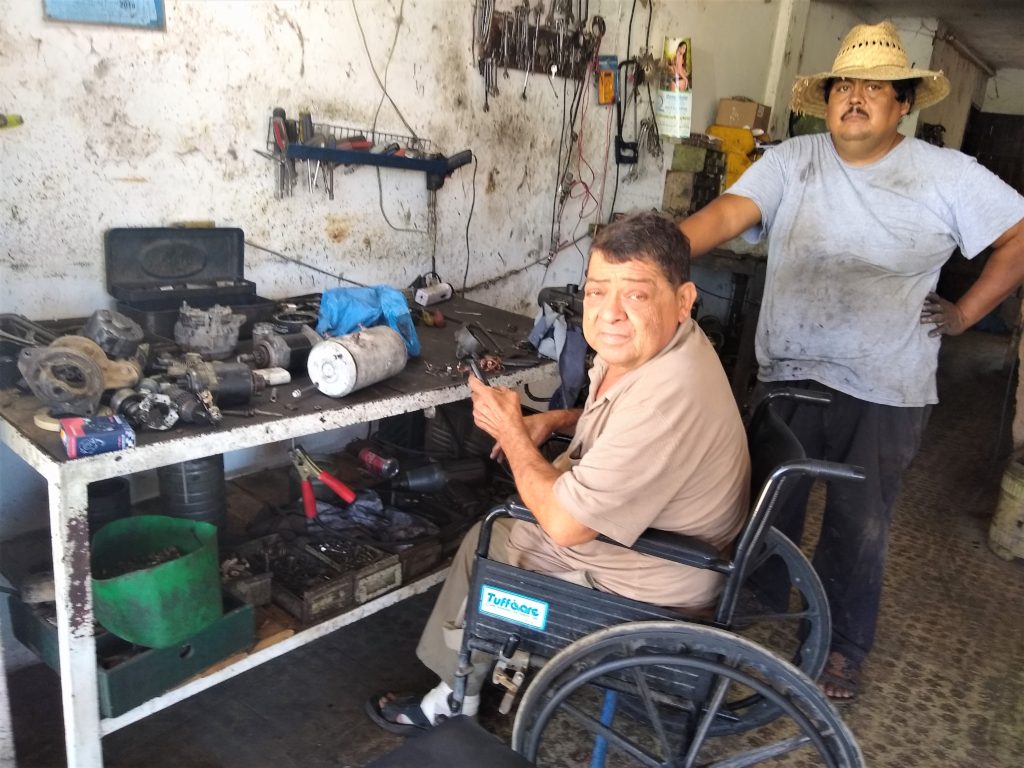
[868,52]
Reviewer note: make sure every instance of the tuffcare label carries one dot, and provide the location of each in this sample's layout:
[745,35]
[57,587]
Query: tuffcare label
[513,607]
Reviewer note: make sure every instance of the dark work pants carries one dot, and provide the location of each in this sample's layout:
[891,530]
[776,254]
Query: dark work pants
[850,556]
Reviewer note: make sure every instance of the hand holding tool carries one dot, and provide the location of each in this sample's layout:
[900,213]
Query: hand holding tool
[476,370]
[309,471]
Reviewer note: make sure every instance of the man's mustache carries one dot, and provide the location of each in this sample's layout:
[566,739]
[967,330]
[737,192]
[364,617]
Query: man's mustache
[855,111]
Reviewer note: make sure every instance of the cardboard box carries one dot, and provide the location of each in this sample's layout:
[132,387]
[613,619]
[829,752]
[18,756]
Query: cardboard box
[743,113]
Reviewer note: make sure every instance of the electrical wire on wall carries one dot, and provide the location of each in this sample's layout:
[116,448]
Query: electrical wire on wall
[305,265]
[431,230]
[576,178]
[469,219]
[643,133]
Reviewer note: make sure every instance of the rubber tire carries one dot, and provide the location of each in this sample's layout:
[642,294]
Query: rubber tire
[686,646]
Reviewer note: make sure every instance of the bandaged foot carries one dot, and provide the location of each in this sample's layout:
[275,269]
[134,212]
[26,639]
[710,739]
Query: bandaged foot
[436,704]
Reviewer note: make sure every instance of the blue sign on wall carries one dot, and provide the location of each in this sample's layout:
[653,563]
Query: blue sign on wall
[129,13]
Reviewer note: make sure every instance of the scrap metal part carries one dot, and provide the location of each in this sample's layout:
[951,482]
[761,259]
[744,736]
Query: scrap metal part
[70,375]
[272,349]
[146,410]
[117,335]
[229,383]
[19,330]
[212,333]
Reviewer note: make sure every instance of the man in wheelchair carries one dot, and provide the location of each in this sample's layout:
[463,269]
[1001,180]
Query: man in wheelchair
[658,444]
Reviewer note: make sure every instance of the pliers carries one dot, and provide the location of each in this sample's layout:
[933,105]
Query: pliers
[309,471]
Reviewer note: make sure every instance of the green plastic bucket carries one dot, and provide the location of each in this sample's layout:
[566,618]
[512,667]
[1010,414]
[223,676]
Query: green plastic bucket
[162,604]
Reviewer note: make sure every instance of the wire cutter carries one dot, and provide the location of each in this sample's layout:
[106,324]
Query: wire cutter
[309,471]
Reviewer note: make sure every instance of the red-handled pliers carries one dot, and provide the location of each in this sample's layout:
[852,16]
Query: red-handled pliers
[309,471]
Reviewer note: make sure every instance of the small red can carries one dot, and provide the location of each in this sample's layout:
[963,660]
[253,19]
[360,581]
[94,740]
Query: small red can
[384,466]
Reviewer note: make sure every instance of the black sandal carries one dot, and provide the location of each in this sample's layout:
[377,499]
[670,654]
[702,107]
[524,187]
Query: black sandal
[841,673]
[386,715]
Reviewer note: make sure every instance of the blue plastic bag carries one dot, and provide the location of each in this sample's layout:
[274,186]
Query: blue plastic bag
[346,310]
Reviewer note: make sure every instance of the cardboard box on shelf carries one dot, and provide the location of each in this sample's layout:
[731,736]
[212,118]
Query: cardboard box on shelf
[743,113]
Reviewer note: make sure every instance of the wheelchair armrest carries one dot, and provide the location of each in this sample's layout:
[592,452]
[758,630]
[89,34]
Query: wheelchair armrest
[675,547]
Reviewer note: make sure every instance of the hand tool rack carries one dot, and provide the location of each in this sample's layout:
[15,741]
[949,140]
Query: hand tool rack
[417,154]
[415,388]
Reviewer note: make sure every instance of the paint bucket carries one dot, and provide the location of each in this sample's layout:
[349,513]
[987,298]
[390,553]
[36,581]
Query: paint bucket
[1006,532]
[195,490]
[343,364]
[157,605]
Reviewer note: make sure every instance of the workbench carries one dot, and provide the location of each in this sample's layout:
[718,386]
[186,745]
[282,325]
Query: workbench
[421,385]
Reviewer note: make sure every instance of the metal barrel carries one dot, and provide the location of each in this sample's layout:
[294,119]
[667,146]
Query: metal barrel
[108,500]
[195,490]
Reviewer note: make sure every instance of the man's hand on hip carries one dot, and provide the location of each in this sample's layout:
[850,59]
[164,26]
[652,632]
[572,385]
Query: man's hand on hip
[944,315]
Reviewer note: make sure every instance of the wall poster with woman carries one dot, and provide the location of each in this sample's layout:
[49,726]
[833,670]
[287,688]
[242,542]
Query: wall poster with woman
[674,95]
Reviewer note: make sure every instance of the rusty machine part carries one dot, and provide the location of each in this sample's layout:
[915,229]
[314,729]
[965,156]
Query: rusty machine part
[145,410]
[212,333]
[294,320]
[70,375]
[229,383]
[117,335]
[272,349]
[17,332]
[193,408]
[18,329]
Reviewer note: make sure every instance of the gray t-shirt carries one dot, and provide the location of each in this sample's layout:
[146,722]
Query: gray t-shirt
[852,254]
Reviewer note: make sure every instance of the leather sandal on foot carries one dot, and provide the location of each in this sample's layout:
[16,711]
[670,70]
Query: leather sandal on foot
[840,680]
[385,709]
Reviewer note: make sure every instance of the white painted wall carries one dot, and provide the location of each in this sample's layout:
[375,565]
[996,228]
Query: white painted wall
[967,87]
[1004,94]
[128,127]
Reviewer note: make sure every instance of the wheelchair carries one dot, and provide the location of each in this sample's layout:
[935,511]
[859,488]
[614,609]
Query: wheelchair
[656,687]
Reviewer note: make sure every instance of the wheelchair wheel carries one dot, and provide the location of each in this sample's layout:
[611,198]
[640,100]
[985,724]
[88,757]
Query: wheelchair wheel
[672,682]
[797,624]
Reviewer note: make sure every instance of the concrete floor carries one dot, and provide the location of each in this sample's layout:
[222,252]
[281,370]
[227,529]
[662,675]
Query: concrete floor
[945,685]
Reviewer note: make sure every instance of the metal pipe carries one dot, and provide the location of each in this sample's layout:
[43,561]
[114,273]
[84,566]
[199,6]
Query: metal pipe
[967,53]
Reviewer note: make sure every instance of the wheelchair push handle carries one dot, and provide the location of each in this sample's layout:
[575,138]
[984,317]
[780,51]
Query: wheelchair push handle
[808,396]
[831,470]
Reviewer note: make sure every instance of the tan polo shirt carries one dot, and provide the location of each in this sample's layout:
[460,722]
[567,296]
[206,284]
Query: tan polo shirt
[663,448]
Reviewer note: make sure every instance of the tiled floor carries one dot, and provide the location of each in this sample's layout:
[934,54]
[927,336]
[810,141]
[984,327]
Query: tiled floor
[944,687]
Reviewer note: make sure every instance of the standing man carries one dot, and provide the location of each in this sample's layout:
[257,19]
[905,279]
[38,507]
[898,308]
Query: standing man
[859,221]
[659,444]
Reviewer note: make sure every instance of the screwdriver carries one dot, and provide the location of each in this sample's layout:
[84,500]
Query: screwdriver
[332,143]
[251,412]
[280,131]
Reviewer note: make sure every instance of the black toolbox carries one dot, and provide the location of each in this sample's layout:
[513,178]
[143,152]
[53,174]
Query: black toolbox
[152,270]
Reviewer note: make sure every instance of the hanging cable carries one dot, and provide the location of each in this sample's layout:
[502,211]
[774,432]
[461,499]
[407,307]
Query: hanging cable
[373,69]
[472,205]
